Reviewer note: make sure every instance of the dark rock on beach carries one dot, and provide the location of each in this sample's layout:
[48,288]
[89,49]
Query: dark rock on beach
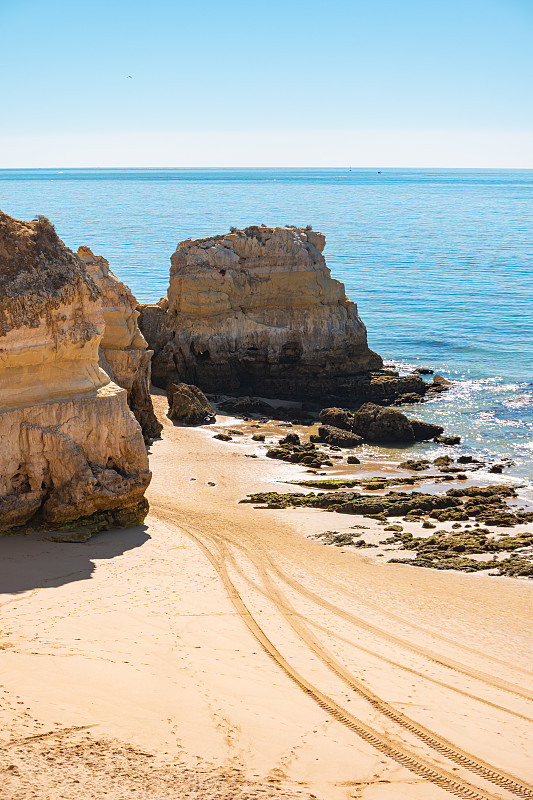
[438,385]
[290,449]
[409,399]
[337,437]
[415,466]
[449,440]
[384,387]
[337,418]
[291,439]
[375,423]
[189,405]
[352,460]
[443,461]
[250,406]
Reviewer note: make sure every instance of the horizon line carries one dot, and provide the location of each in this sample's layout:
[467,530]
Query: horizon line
[347,168]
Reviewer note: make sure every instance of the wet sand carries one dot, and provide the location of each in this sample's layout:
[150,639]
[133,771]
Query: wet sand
[219,651]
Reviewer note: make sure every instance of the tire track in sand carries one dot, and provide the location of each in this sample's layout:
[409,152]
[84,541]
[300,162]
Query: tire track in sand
[438,743]
[383,743]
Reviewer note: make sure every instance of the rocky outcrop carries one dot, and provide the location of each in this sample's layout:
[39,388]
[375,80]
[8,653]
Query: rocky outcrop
[375,423]
[189,405]
[290,449]
[254,406]
[385,387]
[70,451]
[256,311]
[337,418]
[124,353]
[337,437]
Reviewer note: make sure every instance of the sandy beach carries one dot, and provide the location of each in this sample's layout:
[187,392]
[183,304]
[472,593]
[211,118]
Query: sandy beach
[219,651]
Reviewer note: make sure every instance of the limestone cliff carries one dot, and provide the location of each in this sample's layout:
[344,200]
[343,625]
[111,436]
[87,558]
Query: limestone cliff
[256,311]
[123,349]
[70,449]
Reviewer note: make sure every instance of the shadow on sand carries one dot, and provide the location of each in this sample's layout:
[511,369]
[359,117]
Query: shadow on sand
[30,562]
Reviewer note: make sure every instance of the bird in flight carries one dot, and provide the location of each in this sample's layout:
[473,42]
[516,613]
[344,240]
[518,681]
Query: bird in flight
[129,76]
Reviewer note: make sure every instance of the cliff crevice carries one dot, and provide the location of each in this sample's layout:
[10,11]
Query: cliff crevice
[124,352]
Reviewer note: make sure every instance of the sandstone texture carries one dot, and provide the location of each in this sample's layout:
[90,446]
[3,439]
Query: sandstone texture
[256,311]
[189,405]
[70,450]
[124,352]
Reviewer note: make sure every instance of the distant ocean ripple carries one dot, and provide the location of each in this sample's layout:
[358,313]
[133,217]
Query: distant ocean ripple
[439,262]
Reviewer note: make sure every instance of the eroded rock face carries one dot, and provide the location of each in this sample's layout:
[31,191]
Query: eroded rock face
[189,405]
[50,318]
[70,449]
[256,311]
[65,461]
[124,353]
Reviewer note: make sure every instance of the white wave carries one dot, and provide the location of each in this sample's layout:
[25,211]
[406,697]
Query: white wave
[520,402]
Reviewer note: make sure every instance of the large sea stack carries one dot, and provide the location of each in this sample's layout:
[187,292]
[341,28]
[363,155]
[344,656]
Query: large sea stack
[71,452]
[256,311]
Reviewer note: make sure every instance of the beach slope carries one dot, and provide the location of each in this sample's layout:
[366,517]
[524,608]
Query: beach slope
[217,652]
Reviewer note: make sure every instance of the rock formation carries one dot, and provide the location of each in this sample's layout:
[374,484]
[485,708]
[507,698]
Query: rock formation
[70,450]
[374,423]
[337,437]
[256,312]
[124,353]
[189,405]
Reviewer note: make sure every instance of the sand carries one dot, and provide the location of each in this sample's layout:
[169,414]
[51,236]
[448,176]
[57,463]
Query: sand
[219,651]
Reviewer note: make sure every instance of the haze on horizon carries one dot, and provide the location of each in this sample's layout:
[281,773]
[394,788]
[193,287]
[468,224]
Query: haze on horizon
[359,84]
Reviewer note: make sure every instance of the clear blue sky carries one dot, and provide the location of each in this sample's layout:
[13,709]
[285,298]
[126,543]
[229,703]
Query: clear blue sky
[294,83]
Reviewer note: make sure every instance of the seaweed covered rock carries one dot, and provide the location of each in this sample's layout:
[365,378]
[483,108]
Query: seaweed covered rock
[290,449]
[375,423]
[337,437]
[454,550]
[291,439]
[485,505]
[337,418]
[393,504]
[123,348]
[70,449]
[189,405]
[415,465]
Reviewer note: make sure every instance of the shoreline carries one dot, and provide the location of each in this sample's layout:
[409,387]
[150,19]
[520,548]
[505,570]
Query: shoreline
[397,477]
[138,635]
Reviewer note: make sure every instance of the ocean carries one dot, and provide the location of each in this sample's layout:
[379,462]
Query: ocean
[440,263]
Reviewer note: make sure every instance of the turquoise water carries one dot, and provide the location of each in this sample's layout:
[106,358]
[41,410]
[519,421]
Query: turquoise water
[439,262]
